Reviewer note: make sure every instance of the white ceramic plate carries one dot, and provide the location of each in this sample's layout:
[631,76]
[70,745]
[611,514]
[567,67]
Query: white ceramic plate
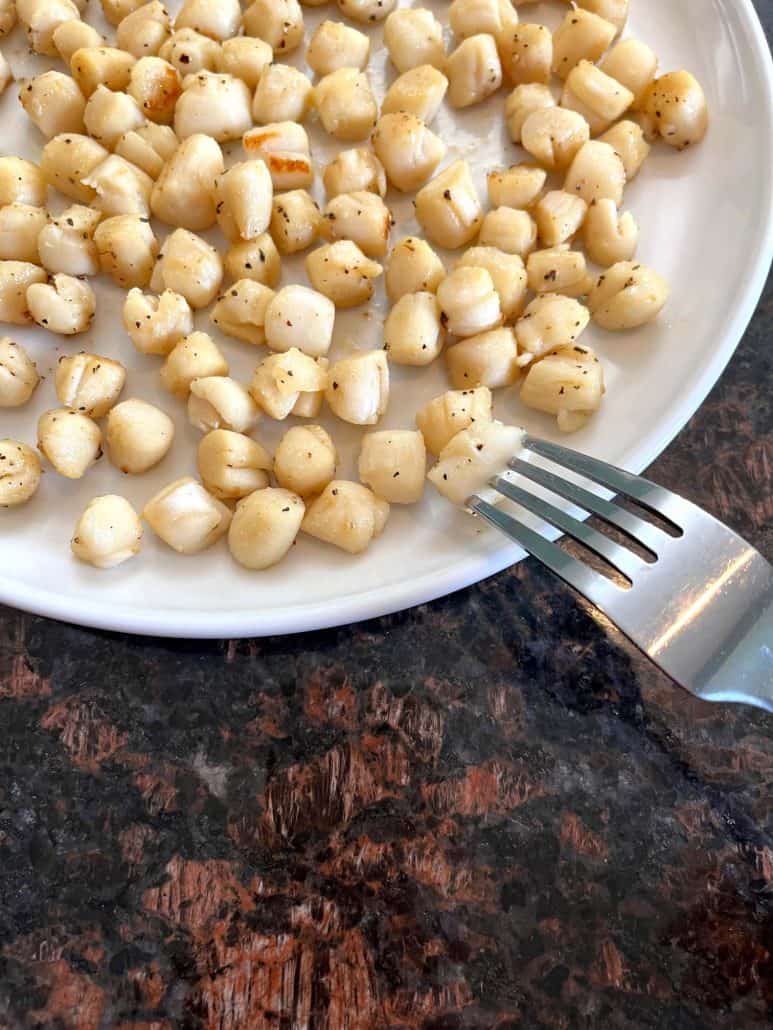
[706,218]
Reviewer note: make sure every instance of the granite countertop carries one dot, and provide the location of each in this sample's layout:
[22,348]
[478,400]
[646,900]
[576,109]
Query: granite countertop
[485,812]
[481,813]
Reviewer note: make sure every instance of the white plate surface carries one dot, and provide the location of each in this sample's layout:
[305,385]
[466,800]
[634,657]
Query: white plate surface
[705,217]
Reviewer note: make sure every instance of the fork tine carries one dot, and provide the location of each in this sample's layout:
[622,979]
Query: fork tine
[620,558]
[648,494]
[650,536]
[589,583]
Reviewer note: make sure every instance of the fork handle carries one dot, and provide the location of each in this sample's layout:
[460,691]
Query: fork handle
[743,672]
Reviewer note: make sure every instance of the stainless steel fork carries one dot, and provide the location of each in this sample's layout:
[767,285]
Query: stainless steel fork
[701,608]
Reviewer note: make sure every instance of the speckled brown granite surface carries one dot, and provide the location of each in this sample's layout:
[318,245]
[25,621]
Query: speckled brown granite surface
[481,813]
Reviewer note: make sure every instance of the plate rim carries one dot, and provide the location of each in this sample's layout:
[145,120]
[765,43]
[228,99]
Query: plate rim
[381,601]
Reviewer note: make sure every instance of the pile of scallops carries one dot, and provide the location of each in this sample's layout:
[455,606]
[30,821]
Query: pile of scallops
[133,133]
